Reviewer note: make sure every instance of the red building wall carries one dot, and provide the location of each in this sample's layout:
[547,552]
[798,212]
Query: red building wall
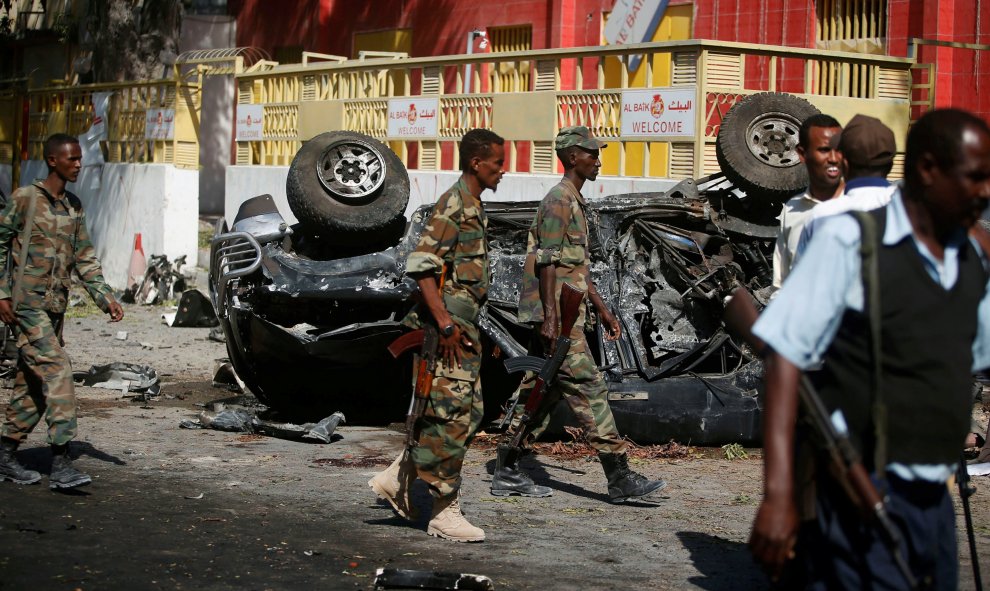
[440,27]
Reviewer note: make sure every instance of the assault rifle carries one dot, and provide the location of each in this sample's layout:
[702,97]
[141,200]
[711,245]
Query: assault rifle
[546,369]
[427,339]
[847,467]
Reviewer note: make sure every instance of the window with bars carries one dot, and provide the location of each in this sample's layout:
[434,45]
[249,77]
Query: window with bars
[510,76]
[849,25]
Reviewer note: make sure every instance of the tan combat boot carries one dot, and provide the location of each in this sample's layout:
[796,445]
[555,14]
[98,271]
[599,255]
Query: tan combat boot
[448,522]
[395,483]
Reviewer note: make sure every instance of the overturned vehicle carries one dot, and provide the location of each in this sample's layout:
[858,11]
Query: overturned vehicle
[309,309]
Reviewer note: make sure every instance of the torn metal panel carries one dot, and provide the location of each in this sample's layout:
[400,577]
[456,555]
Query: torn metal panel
[126,377]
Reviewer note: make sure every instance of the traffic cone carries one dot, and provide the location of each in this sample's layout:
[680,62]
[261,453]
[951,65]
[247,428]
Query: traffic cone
[135,274]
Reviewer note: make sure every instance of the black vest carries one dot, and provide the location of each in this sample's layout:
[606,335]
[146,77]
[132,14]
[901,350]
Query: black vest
[927,335]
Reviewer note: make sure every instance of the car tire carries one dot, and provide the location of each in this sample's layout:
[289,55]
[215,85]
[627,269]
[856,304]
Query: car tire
[344,185]
[757,145]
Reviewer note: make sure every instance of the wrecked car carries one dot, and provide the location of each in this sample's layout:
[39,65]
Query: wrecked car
[308,309]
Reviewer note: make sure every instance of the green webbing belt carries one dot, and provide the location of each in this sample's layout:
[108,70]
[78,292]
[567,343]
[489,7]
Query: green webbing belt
[870,272]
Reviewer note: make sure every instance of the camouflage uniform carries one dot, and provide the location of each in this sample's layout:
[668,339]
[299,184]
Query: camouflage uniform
[454,239]
[559,237]
[59,243]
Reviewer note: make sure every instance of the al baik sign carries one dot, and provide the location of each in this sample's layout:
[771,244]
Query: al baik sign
[413,117]
[159,124]
[634,21]
[668,112]
[250,123]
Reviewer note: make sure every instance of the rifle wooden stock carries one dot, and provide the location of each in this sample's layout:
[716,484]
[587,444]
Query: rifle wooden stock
[570,307]
[427,340]
[409,340]
[846,464]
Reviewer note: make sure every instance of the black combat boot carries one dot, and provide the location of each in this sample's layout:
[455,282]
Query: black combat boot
[623,483]
[63,474]
[509,480]
[10,468]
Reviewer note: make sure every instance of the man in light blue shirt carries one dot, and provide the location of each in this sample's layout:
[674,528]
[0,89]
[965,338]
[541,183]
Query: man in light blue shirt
[935,329]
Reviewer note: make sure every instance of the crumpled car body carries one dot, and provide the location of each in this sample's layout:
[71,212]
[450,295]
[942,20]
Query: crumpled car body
[308,336]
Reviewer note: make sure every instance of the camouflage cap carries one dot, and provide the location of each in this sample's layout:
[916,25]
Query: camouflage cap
[577,135]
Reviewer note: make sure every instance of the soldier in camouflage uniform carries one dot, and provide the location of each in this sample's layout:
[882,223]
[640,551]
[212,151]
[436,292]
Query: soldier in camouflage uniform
[32,304]
[557,253]
[454,244]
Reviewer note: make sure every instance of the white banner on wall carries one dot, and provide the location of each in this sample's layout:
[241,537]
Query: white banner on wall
[634,21]
[413,117]
[159,124]
[97,132]
[659,112]
[250,123]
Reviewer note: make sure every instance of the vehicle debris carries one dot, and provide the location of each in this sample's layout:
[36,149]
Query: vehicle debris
[295,306]
[399,578]
[194,310]
[162,280]
[126,377]
[239,420]
[224,376]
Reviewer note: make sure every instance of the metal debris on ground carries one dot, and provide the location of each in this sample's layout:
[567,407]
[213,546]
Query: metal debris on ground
[216,334]
[240,420]
[224,376]
[734,451]
[126,377]
[162,280]
[194,310]
[400,578]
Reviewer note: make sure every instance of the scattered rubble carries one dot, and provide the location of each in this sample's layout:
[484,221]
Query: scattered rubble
[240,420]
[126,377]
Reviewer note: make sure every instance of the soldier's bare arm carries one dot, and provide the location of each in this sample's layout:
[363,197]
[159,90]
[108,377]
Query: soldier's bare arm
[7,311]
[552,222]
[434,251]
[775,527]
[116,312]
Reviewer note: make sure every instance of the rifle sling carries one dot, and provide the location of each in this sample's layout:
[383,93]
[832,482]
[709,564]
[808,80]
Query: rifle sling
[870,272]
[17,293]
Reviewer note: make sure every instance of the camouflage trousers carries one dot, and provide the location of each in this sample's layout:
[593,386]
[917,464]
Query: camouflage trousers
[450,421]
[44,380]
[582,387]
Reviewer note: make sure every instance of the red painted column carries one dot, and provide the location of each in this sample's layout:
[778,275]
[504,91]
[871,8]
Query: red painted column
[563,34]
[937,24]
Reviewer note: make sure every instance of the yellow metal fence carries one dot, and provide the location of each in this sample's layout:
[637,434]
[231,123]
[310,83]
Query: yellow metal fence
[577,86]
[71,110]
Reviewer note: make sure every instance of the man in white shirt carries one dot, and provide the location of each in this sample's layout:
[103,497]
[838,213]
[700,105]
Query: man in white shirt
[868,149]
[818,149]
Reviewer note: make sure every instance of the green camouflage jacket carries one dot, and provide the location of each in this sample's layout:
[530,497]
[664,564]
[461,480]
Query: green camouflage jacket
[59,243]
[558,237]
[455,237]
